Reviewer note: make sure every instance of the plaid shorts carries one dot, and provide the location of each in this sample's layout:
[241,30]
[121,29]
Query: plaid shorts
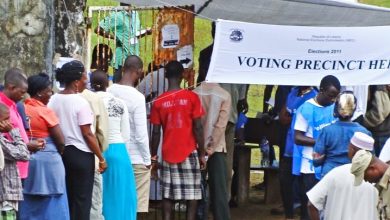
[8,215]
[181,181]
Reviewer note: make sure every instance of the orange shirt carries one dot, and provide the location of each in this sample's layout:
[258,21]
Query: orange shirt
[41,118]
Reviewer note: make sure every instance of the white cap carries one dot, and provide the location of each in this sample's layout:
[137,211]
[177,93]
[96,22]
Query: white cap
[362,141]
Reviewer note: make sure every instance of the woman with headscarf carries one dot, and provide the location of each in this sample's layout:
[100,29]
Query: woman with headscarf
[76,118]
[119,189]
[331,148]
[44,189]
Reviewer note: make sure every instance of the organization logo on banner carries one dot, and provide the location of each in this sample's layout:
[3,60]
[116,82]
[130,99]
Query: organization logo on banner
[236,35]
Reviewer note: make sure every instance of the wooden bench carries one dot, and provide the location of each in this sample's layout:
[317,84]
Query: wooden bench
[255,129]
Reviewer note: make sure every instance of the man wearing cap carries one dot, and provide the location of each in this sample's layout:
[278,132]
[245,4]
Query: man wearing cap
[360,141]
[368,167]
[336,194]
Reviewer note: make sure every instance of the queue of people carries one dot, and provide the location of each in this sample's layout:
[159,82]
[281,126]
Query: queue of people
[323,153]
[85,154]
[71,140]
[48,170]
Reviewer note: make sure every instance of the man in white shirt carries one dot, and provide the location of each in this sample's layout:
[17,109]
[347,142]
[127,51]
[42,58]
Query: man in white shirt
[338,198]
[336,194]
[385,152]
[138,146]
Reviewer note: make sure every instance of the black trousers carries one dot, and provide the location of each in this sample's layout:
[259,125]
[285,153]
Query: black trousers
[79,170]
[216,166]
[306,182]
[286,186]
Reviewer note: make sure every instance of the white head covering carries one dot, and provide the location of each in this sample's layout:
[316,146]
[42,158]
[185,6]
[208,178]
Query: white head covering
[362,141]
[360,162]
[346,104]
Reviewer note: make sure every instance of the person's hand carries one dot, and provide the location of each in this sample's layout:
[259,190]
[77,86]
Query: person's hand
[102,166]
[267,118]
[154,170]
[209,147]
[242,106]
[36,145]
[149,31]
[318,159]
[5,126]
[202,162]
[240,142]
[318,156]
[151,96]
[41,141]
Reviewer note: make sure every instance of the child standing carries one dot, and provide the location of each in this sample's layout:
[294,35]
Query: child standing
[10,183]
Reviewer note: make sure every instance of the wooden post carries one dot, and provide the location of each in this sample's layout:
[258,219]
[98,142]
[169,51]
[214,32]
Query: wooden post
[244,162]
[272,186]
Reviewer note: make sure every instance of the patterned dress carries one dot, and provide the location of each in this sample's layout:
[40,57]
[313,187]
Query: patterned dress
[119,189]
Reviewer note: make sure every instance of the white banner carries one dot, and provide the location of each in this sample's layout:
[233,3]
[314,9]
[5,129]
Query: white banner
[247,53]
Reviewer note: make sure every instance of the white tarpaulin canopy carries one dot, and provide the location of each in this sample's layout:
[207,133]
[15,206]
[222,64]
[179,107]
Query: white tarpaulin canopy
[283,12]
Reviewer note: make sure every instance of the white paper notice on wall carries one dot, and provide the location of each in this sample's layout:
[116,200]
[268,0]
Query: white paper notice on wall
[185,56]
[170,36]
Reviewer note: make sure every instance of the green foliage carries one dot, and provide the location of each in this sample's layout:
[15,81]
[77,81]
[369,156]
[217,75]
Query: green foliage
[382,3]
[102,3]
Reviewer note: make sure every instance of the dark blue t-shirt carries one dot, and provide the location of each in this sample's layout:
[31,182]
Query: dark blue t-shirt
[292,104]
[333,142]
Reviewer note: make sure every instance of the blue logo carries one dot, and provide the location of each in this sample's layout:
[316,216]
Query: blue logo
[236,35]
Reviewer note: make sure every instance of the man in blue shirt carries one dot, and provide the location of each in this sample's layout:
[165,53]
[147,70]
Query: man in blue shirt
[312,116]
[296,97]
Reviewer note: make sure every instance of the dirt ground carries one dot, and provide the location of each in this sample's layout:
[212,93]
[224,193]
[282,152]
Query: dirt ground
[254,209]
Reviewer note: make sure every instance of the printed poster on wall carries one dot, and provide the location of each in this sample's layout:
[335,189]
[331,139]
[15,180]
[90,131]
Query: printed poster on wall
[185,56]
[170,36]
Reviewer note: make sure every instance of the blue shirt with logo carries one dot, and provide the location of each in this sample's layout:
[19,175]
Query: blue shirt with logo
[333,142]
[317,118]
[292,104]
